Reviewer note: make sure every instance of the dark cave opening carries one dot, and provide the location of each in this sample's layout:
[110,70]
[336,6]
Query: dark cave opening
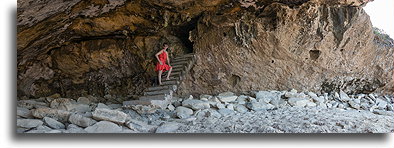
[182,32]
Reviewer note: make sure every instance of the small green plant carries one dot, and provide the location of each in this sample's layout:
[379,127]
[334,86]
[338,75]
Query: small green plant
[382,38]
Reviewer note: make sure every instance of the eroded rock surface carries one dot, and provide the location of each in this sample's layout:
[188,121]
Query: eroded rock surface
[311,46]
[106,47]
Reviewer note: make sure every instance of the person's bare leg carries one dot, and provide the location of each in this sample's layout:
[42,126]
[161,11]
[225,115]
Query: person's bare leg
[160,72]
[169,73]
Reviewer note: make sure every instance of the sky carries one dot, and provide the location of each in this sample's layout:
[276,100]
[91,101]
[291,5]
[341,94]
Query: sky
[381,13]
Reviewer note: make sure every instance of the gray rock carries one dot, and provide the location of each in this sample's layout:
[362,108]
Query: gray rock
[171,107]
[293,90]
[54,123]
[115,106]
[240,108]
[145,109]
[30,104]
[354,104]
[220,105]
[23,112]
[195,104]
[168,127]
[323,105]
[310,104]
[357,101]
[278,101]
[372,96]
[87,114]
[204,99]
[190,97]
[316,98]
[230,106]
[176,103]
[341,106]
[256,106]
[81,120]
[59,115]
[62,104]
[109,115]
[44,129]
[80,108]
[209,97]
[343,96]
[101,105]
[312,94]
[298,102]
[251,99]
[104,127]
[374,107]
[336,95]
[207,113]
[227,97]
[294,95]
[127,130]
[225,111]
[28,123]
[72,128]
[335,104]
[69,105]
[390,107]
[140,126]
[183,112]
[21,129]
[364,106]
[382,104]
[329,105]
[242,99]
[84,100]
[382,112]
[264,96]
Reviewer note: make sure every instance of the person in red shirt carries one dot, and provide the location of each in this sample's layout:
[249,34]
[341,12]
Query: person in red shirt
[161,66]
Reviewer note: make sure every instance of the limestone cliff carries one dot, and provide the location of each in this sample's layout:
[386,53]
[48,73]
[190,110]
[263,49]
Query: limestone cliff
[101,47]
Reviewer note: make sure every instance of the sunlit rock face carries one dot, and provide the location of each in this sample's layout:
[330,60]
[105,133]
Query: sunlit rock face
[102,47]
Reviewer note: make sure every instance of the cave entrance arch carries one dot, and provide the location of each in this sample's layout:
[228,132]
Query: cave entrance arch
[182,32]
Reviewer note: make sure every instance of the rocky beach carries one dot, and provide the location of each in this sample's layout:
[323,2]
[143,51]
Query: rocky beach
[250,112]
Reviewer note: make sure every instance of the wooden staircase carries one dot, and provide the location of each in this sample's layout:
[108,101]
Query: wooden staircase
[161,95]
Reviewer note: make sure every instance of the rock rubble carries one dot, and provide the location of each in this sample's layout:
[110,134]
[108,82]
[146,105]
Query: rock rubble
[256,111]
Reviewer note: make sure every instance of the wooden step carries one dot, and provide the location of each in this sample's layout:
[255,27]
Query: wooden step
[172,77]
[169,87]
[177,70]
[135,102]
[179,60]
[173,74]
[170,82]
[180,63]
[186,55]
[155,97]
[178,66]
[158,92]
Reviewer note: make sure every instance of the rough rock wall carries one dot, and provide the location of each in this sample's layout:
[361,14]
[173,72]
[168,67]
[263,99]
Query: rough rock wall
[308,47]
[101,47]
[95,47]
